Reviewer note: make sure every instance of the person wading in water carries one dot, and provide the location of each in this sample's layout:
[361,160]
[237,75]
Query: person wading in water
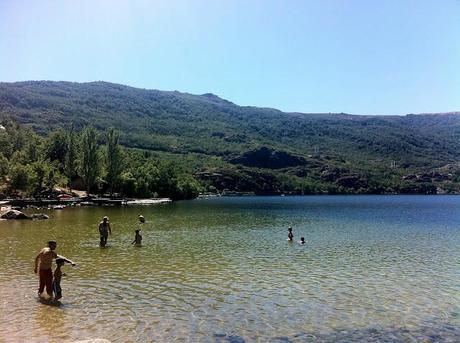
[104,230]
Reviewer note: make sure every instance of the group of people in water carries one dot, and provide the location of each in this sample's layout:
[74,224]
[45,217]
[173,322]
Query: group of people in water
[291,237]
[43,267]
[52,281]
[105,230]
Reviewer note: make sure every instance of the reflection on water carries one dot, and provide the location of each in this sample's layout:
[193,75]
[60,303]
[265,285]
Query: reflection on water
[221,270]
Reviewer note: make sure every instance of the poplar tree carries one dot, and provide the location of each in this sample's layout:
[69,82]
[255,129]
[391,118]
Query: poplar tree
[113,159]
[89,157]
[71,163]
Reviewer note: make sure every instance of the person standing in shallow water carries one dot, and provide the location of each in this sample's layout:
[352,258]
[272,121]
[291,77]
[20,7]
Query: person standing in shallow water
[43,262]
[137,238]
[104,230]
[57,276]
[290,234]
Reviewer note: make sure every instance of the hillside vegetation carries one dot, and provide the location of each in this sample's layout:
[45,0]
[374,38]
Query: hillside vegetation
[249,149]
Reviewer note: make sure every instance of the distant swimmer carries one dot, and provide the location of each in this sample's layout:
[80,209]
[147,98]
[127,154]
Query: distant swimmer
[141,219]
[302,240]
[104,230]
[137,238]
[290,234]
[43,263]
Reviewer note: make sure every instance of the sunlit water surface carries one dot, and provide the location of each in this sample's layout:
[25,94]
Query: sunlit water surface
[375,268]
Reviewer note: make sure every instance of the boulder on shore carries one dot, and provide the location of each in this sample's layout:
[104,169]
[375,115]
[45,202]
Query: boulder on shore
[14,214]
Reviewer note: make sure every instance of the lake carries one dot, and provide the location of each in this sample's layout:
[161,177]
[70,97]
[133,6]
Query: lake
[374,268]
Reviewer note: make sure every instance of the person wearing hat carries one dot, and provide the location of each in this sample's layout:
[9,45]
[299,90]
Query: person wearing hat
[104,230]
[141,219]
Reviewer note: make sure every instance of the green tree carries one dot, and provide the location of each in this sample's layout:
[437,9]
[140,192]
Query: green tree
[19,157]
[89,167]
[147,175]
[128,184]
[3,167]
[114,161]
[167,180]
[39,172]
[32,148]
[186,188]
[18,136]
[72,151]
[19,176]
[6,147]
[56,147]
[39,177]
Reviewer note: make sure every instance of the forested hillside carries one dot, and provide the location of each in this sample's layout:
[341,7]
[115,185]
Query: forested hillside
[250,149]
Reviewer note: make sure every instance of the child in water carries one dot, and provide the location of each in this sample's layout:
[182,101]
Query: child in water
[290,234]
[302,240]
[137,238]
[57,279]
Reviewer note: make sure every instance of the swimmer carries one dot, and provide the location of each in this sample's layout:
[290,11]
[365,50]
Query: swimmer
[141,219]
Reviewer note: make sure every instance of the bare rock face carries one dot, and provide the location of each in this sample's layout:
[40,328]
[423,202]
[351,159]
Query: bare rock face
[268,158]
[14,214]
[95,340]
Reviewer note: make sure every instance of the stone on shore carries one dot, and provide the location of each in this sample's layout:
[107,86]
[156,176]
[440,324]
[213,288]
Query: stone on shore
[14,214]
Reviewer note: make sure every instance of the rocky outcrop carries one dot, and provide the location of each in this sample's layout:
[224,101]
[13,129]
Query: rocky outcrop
[241,180]
[14,214]
[433,176]
[268,158]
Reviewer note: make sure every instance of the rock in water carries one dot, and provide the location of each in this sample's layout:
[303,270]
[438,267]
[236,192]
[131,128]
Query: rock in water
[40,216]
[14,214]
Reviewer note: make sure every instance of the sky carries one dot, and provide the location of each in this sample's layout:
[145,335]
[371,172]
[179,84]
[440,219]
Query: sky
[361,57]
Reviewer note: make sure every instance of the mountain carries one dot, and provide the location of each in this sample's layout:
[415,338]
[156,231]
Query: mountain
[219,140]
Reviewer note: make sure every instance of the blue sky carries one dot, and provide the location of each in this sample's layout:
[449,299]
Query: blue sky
[363,57]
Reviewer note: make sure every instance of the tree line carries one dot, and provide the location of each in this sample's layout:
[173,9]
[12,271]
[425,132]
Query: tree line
[32,165]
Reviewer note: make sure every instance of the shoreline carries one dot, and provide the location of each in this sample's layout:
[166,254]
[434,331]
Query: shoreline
[86,201]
